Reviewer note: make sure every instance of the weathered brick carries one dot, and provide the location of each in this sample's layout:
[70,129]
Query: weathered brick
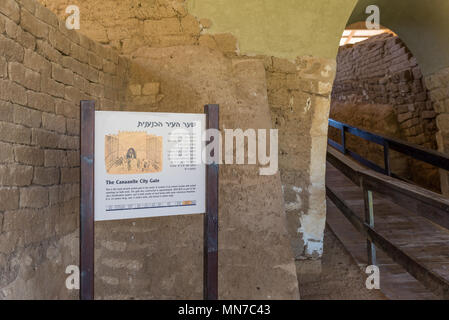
[47,51]
[282,65]
[17,93]
[52,87]
[29,5]
[14,133]
[54,122]
[41,101]
[67,109]
[34,197]
[27,117]
[11,28]
[29,155]
[79,53]
[73,158]
[36,62]
[24,76]
[46,15]
[95,61]
[6,153]
[26,39]
[9,199]
[44,138]
[33,25]
[15,175]
[6,111]
[9,241]
[3,67]
[60,42]
[46,176]
[73,127]
[404,117]
[55,158]
[61,74]
[72,94]
[69,142]
[10,9]
[70,175]
[11,50]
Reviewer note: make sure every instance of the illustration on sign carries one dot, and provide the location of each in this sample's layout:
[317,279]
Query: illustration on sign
[133,152]
[151,166]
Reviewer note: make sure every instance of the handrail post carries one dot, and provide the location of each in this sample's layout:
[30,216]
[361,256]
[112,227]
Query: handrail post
[369,219]
[387,158]
[343,138]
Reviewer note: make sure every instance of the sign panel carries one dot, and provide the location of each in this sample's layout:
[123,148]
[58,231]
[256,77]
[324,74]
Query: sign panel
[148,165]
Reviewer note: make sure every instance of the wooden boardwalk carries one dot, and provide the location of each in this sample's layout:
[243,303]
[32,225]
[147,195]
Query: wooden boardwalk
[414,234]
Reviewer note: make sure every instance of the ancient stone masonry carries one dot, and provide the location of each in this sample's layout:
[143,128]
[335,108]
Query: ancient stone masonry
[130,25]
[438,84]
[297,91]
[382,73]
[45,70]
[381,70]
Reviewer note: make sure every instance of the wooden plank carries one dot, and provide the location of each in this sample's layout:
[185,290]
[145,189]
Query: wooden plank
[211,216]
[428,204]
[87,139]
[428,278]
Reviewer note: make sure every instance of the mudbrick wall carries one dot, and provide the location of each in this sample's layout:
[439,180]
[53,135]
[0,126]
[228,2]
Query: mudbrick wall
[298,93]
[437,84]
[45,70]
[382,72]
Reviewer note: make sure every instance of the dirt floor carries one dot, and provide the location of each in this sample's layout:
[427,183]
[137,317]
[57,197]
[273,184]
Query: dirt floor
[337,277]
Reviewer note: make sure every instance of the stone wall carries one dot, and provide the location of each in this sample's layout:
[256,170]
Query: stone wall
[382,71]
[297,91]
[45,71]
[438,84]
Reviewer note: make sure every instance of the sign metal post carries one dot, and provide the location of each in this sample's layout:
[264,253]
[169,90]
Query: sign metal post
[211,216]
[87,239]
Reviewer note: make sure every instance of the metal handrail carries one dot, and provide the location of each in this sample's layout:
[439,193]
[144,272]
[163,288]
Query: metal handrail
[417,152]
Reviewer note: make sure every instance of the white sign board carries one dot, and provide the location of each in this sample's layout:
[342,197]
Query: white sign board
[148,165]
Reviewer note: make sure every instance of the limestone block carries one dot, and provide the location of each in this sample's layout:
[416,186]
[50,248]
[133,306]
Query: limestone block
[15,175]
[33,25]
[9,198]
[27,117]
[10,9]
[40,101]
[14,133]
[29,155]
[45,176]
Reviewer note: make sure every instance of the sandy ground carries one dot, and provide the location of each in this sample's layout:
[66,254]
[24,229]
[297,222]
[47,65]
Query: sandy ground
[338,277]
